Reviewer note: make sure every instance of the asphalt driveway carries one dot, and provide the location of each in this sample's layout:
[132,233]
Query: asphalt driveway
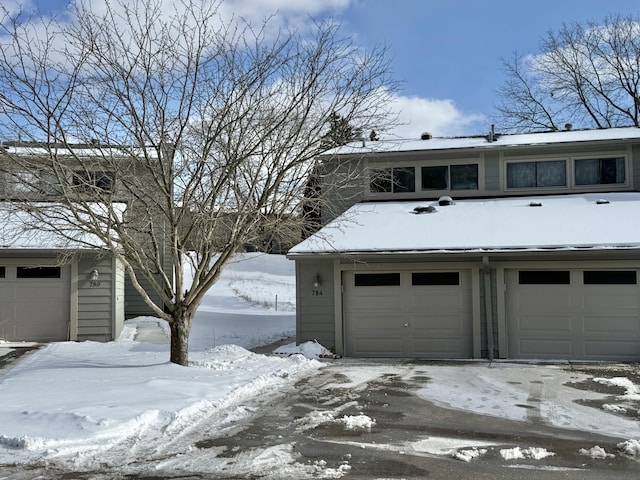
[375,420]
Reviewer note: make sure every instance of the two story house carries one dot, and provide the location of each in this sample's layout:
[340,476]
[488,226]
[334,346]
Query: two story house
[523,246]
[54,288]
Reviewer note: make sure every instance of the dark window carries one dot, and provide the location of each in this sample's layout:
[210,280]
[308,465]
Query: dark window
[381,181]
[610,277]
[435,178]
[464,177]
[537,174]
[94,180]
[599,171]
[455,177]
[2,272]
[544,277]
[396,180]
[404,179]
[377,279]
[435,278]
[38,272]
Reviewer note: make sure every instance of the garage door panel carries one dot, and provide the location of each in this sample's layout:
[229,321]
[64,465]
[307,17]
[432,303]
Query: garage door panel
[40,291]
[407,320]
[380,301]
[382,346]
[438,301]
[547,347]
[544,323]
[35,309]
[597,301]
[439,347]
[616,350]
[611,324]
[528,300]
[440,323]
[594,321]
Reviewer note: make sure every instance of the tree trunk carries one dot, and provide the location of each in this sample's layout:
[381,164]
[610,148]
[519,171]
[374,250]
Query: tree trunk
[180,328]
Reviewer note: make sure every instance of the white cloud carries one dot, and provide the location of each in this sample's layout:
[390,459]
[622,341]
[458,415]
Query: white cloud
[441,118]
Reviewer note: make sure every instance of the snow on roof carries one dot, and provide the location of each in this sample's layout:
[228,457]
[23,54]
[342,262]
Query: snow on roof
[20,230]
[501,141]
[488,225]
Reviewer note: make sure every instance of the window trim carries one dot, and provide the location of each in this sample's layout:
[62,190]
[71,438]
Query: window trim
[601,156]
[417,166]
[567,173]
[571,173]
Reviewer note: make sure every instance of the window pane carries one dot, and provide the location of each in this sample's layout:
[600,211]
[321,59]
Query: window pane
[404,179]
[599,171]
[38,272]
[464,177]
[435,178]
[551,174]
[380,180]
[537,174]
[544,277]
[521,175]
[610,277]
[435,278]
[377,279]
[104,181]
[2,272]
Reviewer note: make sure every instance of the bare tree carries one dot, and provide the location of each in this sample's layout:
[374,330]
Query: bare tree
[587,75]
[209,127]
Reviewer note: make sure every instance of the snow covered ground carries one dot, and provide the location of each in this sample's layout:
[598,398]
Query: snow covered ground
[93,405]
[76,400]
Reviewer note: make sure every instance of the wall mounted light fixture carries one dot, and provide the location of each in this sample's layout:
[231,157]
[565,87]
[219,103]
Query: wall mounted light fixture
[95,275]
[317,281]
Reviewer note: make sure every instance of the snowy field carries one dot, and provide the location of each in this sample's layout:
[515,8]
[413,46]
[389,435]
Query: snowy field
[94,405]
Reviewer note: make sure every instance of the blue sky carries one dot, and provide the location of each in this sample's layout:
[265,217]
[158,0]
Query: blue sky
[446,52]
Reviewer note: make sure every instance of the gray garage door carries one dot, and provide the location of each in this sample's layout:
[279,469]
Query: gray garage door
[408,314]
[573,314]
[34,303]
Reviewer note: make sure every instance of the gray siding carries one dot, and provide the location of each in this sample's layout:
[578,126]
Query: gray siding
[315,318]
[635,165]
[492,172]
[100,314]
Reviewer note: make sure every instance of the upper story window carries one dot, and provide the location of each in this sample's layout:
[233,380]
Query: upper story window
[94,180]
[599,171]
[549,173]
[450,177]
[393,180]
[33,182]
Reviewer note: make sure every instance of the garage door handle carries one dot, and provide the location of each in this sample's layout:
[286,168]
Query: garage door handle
[406,324]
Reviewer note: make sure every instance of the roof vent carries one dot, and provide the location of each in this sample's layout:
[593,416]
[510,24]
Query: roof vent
[444,201]
[602,201]
[426,136]
[421,209]
[535,204]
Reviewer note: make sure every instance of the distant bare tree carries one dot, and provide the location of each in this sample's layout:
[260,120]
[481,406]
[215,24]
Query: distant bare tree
[210,126]
[587,75]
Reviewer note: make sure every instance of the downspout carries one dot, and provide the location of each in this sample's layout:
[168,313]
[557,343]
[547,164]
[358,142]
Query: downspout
[488,308]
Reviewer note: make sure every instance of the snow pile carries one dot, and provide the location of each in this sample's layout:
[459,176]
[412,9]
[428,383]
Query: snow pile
[609,407]
[307,349]
[631,448]
[357,422]
[534,453]
[596,452]
[632,391]
[469,454]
